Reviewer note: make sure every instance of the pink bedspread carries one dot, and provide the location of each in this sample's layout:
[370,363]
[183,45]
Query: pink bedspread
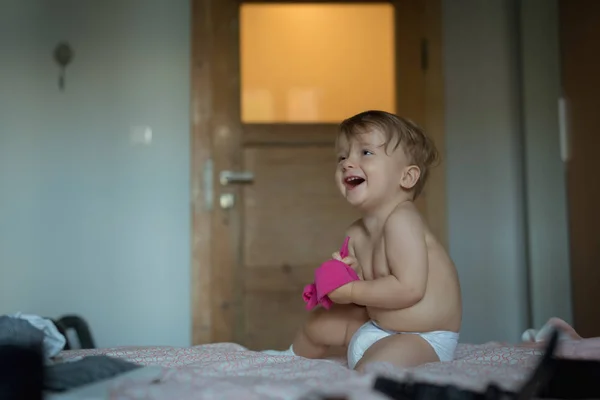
[228,371]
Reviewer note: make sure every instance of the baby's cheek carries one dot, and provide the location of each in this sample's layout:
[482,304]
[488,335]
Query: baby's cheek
[337,174]
[338,179]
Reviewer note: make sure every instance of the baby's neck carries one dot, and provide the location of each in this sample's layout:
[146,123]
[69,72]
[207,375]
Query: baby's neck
[374,219]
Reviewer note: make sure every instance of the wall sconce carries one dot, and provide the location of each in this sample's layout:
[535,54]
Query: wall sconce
[63,54]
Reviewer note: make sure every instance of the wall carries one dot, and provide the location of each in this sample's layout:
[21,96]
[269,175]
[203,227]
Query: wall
[545,171]
[484,168]
[89,222]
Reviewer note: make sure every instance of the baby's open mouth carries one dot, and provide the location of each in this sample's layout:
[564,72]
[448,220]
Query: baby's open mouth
[353,181]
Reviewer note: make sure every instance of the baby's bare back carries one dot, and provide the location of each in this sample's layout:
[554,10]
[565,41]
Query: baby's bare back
[441,306]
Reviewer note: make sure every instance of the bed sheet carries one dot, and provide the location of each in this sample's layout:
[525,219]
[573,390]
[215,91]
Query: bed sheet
[229,371]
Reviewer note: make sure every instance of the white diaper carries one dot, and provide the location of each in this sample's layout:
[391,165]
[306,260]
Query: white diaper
[443,342]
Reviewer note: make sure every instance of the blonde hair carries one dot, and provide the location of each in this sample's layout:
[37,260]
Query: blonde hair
[419,148]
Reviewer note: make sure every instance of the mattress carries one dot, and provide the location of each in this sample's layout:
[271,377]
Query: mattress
[229,371]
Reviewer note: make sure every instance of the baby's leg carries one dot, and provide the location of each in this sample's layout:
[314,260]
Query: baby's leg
[326,328]
[402,350]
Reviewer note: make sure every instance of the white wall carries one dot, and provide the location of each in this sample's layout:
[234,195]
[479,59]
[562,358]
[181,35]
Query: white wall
[89,223]
[484,168]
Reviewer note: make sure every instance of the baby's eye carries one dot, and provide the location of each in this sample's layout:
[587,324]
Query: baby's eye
[341,158]
[367,153]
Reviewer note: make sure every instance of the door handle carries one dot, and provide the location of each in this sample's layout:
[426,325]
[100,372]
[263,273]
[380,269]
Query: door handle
[231,177]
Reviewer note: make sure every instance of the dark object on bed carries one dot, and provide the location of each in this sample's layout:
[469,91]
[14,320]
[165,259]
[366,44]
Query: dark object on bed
[81,328]
[554,378]
[21,373]
[572,379]
[424,391]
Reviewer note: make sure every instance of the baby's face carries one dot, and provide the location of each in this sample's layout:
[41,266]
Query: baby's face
[366,174]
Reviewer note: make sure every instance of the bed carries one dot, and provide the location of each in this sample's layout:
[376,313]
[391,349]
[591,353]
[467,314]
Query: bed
[229,371]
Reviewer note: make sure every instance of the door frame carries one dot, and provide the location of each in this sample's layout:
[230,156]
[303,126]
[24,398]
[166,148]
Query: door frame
[216,143]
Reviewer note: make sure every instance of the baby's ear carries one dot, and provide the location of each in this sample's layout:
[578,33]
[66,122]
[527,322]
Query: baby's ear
[410,177]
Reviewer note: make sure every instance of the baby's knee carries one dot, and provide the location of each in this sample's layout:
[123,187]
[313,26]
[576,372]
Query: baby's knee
[315,318]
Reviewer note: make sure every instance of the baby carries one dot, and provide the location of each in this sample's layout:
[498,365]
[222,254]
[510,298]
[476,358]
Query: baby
[406,309]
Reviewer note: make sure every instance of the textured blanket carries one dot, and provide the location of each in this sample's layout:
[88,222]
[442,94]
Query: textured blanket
[229,371]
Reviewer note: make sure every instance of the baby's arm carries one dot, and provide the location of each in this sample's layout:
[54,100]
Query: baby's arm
[406,254]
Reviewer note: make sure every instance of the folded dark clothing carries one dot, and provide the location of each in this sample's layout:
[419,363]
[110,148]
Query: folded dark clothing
[19,332]
[21,373]
[18,336]
[69,375]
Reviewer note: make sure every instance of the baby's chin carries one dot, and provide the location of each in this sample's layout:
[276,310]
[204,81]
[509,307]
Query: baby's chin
[355,201]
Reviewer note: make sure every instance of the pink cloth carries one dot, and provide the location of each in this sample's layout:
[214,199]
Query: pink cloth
[329,276]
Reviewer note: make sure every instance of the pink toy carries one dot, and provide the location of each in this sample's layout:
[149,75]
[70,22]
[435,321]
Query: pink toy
[329,276]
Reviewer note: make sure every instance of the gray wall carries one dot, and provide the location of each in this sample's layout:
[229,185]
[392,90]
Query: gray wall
[545,171]
[506,180]
[90,223]
[484,168]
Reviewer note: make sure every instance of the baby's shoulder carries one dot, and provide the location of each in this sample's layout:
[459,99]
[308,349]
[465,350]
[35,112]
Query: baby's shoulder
[405,215]
[356,233]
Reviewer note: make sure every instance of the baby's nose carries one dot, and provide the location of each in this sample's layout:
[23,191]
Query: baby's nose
[348,164]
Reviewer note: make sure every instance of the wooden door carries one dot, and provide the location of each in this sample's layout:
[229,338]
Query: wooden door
[580,38]
[275,214]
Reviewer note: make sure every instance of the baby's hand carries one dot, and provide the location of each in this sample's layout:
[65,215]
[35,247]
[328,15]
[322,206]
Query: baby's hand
[343,294]
[350,261]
